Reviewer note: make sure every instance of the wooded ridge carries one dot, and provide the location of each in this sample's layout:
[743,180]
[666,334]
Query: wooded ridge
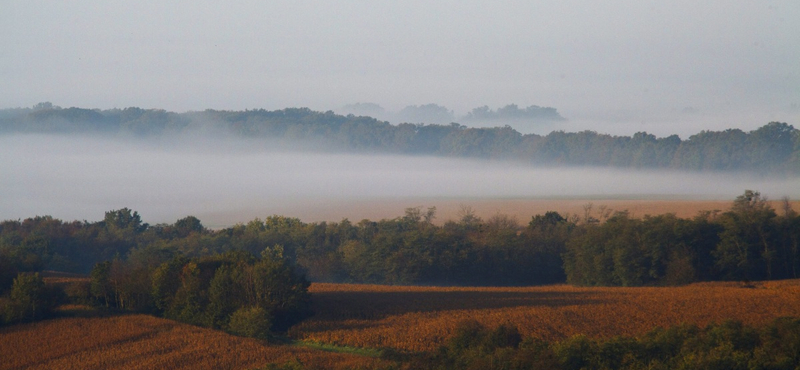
[773,148]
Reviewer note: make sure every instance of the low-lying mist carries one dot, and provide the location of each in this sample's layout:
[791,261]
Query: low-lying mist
[75,177]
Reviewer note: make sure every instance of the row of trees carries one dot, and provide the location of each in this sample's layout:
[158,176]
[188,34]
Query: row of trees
[749,242]
[774,147]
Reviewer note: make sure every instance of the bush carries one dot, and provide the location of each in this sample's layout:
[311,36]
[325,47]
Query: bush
[469,334]
[8,311]
[503,336]
[250,322]
[576,352]
[79,293]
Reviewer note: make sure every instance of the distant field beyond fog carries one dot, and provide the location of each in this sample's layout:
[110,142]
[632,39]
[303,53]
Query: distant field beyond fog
[452,208]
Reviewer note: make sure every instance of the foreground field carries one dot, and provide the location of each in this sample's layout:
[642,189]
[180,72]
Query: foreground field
[405,318]
[145,342]
[423,318]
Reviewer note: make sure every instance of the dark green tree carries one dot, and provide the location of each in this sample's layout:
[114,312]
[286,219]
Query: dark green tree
[101,288]
[30,299]
[747,250]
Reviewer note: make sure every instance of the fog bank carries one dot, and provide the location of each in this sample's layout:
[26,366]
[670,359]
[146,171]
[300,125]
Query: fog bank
[72,177]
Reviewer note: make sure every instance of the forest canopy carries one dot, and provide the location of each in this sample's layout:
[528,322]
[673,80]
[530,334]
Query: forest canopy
[751,241]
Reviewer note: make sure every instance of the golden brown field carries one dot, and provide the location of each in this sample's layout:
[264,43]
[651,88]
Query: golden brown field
[449,208]
[406,318]
[146,342]
[63,279]
[422,318]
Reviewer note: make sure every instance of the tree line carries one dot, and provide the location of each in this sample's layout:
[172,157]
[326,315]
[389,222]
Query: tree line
[772,148]
[751,241]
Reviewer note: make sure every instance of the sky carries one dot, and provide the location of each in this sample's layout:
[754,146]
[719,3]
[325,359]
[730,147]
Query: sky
[613,66]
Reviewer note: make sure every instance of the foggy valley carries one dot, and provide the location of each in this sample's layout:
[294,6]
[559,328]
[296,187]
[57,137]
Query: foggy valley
[405,185]
[224,182]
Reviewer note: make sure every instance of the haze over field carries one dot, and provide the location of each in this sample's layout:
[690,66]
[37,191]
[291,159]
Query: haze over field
[223,183]
[616,67]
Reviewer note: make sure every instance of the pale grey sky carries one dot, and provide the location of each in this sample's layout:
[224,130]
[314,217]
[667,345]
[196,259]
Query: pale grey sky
[610,66]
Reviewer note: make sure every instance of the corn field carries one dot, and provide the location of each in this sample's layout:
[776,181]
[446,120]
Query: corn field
[423,318]
[146,342]
[399,317]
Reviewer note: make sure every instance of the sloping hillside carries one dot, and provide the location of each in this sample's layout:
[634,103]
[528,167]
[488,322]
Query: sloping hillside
[146,342]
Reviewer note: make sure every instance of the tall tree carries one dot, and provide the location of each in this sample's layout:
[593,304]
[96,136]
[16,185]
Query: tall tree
[747,250]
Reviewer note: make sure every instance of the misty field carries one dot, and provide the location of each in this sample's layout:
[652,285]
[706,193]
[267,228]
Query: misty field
[423,318]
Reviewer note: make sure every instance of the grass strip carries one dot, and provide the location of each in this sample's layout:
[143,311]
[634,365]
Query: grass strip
[368,352]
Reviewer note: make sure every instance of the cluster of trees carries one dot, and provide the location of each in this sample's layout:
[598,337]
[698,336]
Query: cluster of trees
[437,114]
[728,345]
[138,267]
[427,113]
[512,112]
[749,242]
[46,243]
[773,148]
[236,291]
[28,299]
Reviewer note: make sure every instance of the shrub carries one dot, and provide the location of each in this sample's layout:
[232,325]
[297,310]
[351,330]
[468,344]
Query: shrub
[250,322]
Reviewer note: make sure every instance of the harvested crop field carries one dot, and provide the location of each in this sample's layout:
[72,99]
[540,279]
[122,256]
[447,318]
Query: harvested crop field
[451,208]
[401,317]
[422,318]
[146,342]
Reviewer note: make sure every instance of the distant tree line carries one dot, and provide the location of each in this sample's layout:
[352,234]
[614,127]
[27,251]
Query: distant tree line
[772,148]
[437,114]
[749,242]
